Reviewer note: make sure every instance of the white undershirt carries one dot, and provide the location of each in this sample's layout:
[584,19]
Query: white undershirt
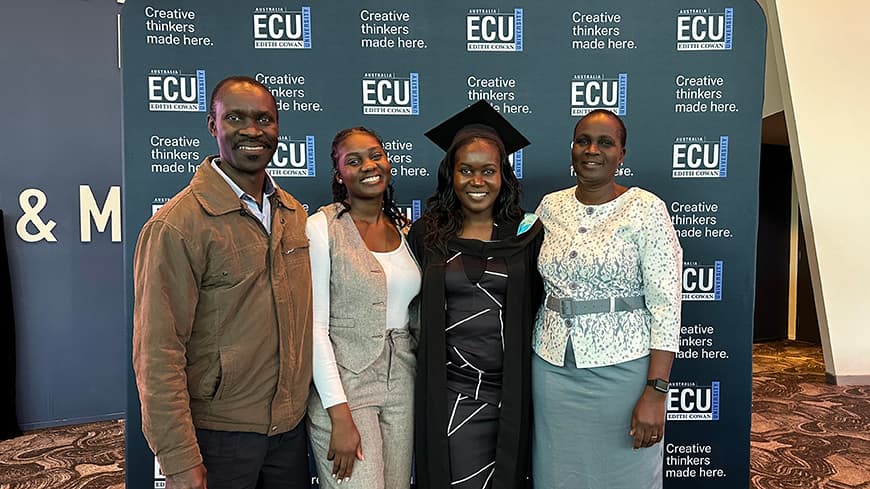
[403,284]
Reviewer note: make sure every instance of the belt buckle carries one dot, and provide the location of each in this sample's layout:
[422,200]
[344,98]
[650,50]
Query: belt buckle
[566,308]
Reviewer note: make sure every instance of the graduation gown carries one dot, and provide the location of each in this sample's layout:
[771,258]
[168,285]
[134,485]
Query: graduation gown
[524,295]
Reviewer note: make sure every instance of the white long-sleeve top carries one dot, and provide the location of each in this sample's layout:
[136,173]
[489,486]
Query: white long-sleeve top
[403,284]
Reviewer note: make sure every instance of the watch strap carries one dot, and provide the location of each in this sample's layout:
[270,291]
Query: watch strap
[660,385]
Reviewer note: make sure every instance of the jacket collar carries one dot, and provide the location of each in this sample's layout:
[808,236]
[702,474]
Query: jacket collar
[215,195]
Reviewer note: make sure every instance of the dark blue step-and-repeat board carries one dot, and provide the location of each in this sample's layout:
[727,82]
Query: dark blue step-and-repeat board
[686,76]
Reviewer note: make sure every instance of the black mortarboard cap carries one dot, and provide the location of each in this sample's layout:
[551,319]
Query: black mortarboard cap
[477,116]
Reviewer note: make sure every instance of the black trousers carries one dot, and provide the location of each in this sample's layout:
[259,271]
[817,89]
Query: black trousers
[239,460]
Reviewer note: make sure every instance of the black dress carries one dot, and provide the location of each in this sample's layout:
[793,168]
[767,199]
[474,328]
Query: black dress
[474,334]
[473,359]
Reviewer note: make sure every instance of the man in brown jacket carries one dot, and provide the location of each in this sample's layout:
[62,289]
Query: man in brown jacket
[222,315]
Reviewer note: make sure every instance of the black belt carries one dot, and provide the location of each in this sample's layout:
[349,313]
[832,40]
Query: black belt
[571,307]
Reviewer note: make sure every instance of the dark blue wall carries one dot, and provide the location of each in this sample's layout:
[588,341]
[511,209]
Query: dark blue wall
[61,128]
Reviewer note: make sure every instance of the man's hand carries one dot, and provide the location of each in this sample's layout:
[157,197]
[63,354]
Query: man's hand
[648,419]
[344,442]
[193,478]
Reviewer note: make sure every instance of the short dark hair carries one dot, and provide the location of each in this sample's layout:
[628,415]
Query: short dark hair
[237,79]
[623,133]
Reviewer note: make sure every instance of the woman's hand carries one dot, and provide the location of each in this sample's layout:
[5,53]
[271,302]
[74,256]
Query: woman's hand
[648,419]
[344,442]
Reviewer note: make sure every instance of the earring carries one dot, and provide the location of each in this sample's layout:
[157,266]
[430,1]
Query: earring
[341,181]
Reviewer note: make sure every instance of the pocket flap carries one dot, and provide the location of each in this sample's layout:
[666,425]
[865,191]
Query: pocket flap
[341,322]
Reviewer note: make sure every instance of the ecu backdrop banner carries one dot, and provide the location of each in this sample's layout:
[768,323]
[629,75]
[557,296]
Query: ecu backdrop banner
[685,75]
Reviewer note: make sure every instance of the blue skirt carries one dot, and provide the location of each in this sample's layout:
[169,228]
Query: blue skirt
[581,424]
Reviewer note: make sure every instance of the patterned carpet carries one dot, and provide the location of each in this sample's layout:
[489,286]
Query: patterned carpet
[86,456]
[805,434]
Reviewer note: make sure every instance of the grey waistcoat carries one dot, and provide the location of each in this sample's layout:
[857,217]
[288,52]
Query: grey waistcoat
[357,294]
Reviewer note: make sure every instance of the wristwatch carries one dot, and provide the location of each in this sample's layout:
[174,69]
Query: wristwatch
[660,385]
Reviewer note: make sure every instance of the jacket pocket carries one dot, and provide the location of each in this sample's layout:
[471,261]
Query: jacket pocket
[203,372]
[294,251]
[231,265]
[342,322]
[294,259]
[227,371]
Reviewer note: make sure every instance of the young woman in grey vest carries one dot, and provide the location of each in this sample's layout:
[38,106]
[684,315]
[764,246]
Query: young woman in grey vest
[360,414]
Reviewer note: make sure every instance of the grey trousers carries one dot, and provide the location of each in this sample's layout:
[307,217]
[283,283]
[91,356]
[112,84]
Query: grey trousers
[381,400]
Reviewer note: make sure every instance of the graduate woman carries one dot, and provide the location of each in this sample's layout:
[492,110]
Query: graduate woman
[480,291]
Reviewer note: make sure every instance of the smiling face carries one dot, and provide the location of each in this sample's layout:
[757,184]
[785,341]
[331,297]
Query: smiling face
[597,150]
[477,176]
[363,166]
[245,125]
